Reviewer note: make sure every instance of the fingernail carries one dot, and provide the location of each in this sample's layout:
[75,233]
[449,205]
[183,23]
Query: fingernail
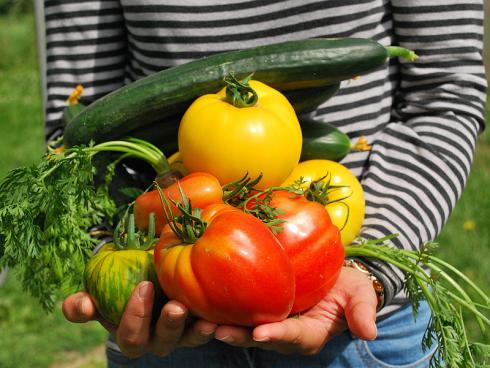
[174,316]
[83,307]
[375,332]
[261,339]
[206,333]
[145,290]
[227,339]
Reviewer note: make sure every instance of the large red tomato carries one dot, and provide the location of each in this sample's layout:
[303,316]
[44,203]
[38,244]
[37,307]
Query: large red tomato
[313,245]
[235,273]
[200,188]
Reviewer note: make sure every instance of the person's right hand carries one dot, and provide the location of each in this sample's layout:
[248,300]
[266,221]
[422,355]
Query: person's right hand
[134,334]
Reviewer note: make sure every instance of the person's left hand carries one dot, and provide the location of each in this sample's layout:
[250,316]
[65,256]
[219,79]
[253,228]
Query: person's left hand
[351,304]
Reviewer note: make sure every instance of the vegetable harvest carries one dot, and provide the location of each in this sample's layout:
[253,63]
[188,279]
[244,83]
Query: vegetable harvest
[250,233]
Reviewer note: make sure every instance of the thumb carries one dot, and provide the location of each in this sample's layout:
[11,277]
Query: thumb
[360,312]
[133,333]
[79,308]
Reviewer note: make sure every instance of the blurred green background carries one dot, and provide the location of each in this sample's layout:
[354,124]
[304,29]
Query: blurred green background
[31,338]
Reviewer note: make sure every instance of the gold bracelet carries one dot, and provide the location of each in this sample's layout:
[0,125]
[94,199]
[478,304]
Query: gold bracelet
[378,287]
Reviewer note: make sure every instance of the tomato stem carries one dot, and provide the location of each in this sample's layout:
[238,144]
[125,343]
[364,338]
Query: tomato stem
[188,226]
[236,192]
[320,190]
[239,93]
[126,237]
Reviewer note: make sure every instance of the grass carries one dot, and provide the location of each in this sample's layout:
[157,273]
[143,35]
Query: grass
[21,130]
[31,338]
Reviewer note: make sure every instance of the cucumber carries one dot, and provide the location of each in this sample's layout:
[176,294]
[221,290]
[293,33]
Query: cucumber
[323,141]
[162,134]
[285,66]
[70,111]
[307,99]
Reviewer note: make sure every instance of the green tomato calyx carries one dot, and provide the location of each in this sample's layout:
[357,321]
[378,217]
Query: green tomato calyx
[188,225]
[239,93]
[126,237]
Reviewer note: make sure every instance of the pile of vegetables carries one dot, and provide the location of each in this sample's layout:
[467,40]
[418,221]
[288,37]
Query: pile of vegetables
[248,222]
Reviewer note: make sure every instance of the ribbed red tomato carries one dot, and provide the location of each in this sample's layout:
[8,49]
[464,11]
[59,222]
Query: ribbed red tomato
[235,273]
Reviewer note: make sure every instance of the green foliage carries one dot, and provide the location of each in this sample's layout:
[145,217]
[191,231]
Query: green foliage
[29,336]
[21,119]
[447,291]
[16,7]
[45,213]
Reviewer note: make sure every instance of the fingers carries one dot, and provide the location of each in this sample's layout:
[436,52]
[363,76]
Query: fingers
[133,334]
[293,335]
[236,336]
[289,336]
[360,313]
[79,308]
[198,333]
[169,328]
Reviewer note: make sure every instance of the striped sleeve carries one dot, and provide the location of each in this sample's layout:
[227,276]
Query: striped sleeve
[421,160]
[85,44]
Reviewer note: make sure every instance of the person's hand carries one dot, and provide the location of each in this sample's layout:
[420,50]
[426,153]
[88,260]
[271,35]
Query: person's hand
[350,304]
[134,334]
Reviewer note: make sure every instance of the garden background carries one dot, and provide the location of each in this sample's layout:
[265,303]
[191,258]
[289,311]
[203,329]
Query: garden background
[29,337]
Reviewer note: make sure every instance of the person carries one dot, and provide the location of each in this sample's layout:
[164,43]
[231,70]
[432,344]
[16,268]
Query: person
[421,118]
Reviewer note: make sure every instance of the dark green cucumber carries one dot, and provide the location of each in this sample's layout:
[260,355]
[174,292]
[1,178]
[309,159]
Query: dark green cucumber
[308,99]
[70,111]
[323,141]
[162,134]
[284,66]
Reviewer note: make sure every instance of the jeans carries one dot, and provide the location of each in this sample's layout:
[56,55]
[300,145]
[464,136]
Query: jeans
[398,345]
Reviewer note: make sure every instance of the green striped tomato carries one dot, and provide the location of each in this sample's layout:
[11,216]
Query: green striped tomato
[111,275]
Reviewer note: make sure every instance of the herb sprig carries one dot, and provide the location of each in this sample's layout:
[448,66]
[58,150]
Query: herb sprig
[447,291]
[47,209]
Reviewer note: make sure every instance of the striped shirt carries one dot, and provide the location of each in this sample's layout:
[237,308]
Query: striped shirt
[422,118]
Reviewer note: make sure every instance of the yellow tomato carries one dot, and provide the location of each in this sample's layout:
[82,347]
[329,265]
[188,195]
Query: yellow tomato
[228,141]
[345,198]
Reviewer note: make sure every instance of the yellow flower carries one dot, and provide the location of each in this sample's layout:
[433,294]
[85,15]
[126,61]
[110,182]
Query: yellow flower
[75,95]
[361,144]
[469,225]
